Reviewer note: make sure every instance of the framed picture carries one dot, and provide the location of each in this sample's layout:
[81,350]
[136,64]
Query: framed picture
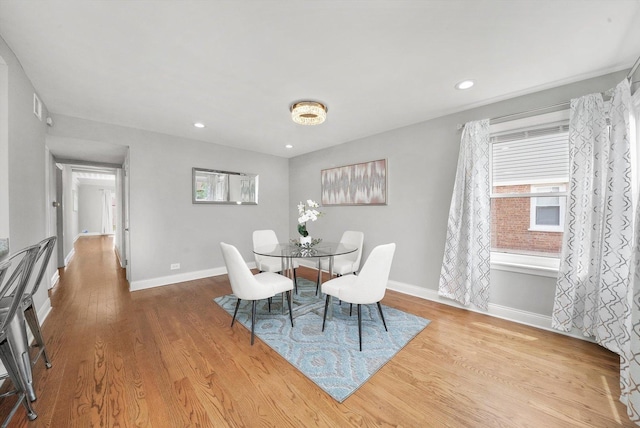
[358,184]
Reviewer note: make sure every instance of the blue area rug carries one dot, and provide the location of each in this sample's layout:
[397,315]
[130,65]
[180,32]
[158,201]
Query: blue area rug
[331,359]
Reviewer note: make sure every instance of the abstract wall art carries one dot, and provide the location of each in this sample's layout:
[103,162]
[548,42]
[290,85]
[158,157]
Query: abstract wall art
[358,184]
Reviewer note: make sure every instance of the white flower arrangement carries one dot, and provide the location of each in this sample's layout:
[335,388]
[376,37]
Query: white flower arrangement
[307,212]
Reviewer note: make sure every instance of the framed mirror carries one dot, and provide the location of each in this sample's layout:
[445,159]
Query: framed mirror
[212,186]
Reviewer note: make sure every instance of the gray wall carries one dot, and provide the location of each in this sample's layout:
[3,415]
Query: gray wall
[422,161]
[90,206]
[25,146]
[165,226]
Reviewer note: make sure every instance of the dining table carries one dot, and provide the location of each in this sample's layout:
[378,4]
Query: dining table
[317,249]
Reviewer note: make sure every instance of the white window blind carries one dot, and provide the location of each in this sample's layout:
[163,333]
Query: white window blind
[532,156]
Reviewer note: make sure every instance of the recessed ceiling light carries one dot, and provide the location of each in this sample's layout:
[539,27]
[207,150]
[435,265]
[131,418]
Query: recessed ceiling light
[289,146]
[465,84]
[198,125]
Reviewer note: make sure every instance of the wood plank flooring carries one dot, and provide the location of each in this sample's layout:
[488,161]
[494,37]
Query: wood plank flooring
[167,357]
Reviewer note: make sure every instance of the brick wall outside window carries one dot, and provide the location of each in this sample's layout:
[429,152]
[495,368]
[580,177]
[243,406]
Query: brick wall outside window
[510,223]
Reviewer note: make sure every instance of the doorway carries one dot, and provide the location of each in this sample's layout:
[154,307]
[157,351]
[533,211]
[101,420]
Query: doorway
[89,200]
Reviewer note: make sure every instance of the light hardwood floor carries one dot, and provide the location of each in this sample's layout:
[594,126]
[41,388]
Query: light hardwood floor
[167,357]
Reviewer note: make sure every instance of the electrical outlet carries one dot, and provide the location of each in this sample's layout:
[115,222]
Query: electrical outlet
[175,266]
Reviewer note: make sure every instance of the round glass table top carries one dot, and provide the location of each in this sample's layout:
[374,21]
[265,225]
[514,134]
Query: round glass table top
[288,249]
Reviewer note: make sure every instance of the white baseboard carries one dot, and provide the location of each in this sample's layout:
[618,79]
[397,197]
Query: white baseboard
[67,259]
[510,314]
[181,277]
[54,279]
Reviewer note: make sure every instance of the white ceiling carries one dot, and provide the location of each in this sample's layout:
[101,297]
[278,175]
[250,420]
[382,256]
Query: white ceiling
[237,65]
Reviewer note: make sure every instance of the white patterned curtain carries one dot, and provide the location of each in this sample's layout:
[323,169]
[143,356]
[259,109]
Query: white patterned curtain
[630,358]
[465,267]
[576,290]
[107,217]
[598,268]
[592,289]
[614,307]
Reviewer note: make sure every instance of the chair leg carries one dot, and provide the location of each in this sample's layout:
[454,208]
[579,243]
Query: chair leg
[382,316]
[360,326]
[289,303]
[324,316]
[350,308]
[235,312]
[17,338]
[253,319]
[34,324]
[6,355]
[269,303]
[295,281]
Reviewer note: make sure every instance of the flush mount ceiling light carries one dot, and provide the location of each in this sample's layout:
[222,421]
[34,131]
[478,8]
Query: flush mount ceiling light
[308,112]
[198,125]
[465,84]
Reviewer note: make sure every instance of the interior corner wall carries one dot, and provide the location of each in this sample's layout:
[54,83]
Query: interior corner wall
[422,160]
[25,148]
[165,226]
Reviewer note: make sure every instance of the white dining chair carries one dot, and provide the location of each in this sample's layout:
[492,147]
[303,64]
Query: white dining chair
[247,286]
[366,288]
[346,263]
[265,238]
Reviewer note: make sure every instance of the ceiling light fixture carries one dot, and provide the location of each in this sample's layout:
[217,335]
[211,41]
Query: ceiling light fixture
[289,146]
[465,84]
[198,125]
[308,112]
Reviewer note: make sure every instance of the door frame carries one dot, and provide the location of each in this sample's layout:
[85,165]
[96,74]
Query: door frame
[60,228]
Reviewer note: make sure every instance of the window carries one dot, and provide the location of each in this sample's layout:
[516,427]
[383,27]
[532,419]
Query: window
[529,181]
[547,212]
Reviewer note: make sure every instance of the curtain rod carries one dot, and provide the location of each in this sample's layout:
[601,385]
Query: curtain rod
[534,110]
